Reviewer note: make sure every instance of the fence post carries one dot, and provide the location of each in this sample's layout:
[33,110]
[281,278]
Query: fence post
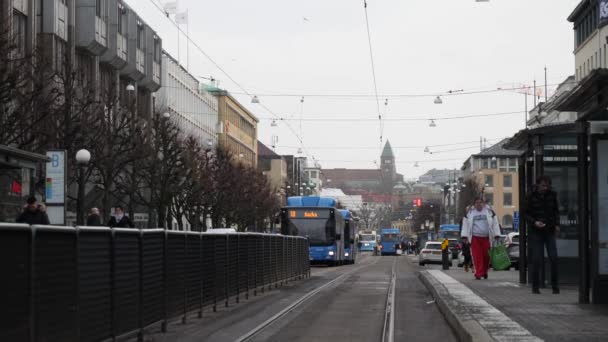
[226,277]
[32,292]
[140,333]
[247,244]
[270,261]
[238,269]
[255,274]
[165,291]
[202,276]
[263,238]
[185,278]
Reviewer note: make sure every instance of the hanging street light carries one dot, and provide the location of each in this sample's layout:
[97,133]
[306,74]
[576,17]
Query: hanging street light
[416,164]
[427,150]
[255,99]
[432,124]
[273,123]
[438,100]
[300,150]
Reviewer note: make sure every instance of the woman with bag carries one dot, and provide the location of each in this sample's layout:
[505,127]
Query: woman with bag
[480,226]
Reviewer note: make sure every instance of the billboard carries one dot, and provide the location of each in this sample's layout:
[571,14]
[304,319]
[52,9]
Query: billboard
[55,185]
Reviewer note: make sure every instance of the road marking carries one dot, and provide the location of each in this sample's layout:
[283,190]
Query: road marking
[388,332]
[252,333]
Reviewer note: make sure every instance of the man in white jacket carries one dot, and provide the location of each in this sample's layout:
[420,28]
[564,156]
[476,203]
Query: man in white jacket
[480,226]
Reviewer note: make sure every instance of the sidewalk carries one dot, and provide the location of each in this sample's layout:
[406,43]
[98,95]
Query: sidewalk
[547,316]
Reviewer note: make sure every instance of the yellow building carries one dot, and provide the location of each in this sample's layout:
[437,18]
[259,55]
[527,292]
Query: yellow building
[495,169]
[238,128]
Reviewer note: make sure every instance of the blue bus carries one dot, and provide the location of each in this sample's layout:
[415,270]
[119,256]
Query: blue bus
[317,219]
[389,239]
[350,229]
[367,242]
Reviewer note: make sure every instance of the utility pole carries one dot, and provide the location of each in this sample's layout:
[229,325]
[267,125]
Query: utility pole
[546,93]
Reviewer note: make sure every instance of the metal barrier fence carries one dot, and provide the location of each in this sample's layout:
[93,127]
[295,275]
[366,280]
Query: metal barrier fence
[94,283]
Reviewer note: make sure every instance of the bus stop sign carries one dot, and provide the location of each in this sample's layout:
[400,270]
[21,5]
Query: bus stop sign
[516,221]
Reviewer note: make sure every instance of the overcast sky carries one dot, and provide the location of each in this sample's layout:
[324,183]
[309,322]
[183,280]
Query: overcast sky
[319,49]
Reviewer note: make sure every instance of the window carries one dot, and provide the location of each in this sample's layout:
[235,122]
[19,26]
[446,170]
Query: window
[489,181]
[512,167]
[314,174]
[507,222]
[507,199]
[156,49]
[387,161]
[489,198]
[507,181]
[98,4]
[19,32]
[502,164]
[140,35]
[493,163]
[122,20]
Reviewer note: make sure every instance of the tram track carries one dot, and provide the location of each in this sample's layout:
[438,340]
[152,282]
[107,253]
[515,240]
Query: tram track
[388,326]
[388,331]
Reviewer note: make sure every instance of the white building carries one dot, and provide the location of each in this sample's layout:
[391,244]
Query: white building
[192,108]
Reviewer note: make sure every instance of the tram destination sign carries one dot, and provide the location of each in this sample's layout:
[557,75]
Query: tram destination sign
[308,214]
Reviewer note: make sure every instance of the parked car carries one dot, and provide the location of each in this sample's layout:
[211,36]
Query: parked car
[511,241]
[454,246]
[430,254]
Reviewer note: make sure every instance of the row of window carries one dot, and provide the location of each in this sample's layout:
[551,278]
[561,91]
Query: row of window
[507,181]
[507,198]
[236,119]
[502,164]
[586,26]
[593,62]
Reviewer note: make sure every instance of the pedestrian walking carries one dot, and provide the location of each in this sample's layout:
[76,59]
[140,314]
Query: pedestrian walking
[465,247]
[33,213]
[94,219]
[480,226]
[119,220]
[542,216]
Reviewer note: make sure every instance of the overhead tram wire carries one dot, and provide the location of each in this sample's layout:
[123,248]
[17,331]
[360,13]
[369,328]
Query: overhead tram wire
[222,69]
[371,56]
[399,147]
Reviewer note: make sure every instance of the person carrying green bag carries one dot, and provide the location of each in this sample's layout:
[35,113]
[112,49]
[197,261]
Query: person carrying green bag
[499,257]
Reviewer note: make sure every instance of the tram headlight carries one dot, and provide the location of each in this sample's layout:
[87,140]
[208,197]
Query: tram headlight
[331,253]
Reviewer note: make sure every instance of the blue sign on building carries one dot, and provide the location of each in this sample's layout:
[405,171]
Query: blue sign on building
[516,221]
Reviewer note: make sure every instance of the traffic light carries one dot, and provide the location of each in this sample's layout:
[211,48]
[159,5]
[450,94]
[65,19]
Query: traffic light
[418,202]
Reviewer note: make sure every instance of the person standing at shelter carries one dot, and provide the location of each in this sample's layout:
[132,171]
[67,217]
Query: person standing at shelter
[480,226]
[94,220]
[120,220]
[33,213]
[542,216]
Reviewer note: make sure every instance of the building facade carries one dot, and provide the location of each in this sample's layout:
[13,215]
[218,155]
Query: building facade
[274,167]
[496,170]
[238,131]
[105,40]
[192,108]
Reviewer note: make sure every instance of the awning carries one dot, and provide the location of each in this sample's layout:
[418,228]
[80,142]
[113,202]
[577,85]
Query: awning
[589,98]
[520,140]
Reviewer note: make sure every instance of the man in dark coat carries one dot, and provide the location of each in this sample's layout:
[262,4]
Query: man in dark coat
[94,220]
[542,216]
[33,213]
[119,220]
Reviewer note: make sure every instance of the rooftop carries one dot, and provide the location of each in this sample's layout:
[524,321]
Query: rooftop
[387,152]
[498,150]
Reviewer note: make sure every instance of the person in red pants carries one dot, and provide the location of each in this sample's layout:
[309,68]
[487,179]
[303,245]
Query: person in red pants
[480,226]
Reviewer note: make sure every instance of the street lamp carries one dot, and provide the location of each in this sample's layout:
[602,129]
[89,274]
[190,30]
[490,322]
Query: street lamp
[273,123]
[255,99]
[82,159]
[166,115]
[130,88]
[432,124]
[427,149]
[438,100]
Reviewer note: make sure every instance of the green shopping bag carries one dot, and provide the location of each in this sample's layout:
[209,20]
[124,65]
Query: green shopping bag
[499,258]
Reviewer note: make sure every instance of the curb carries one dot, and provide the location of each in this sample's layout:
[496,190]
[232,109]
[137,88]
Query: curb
[466,330]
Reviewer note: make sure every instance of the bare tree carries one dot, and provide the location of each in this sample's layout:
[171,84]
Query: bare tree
[467,196]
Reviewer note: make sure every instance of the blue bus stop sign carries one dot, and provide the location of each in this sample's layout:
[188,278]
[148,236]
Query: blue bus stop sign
[516,221]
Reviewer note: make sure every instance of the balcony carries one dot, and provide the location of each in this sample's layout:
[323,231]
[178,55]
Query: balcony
[92,30]
[55,18]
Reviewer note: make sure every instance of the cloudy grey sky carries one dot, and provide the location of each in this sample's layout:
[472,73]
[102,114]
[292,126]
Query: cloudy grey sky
[319,49]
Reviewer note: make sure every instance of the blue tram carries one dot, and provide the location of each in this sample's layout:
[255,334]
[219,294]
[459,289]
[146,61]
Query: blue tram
[350,231]
[317,219]
[390,241]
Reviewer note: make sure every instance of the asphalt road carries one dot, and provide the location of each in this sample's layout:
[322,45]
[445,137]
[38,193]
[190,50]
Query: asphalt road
[351,308]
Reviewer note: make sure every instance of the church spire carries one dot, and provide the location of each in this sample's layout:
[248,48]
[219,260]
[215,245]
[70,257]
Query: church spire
[387,152]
